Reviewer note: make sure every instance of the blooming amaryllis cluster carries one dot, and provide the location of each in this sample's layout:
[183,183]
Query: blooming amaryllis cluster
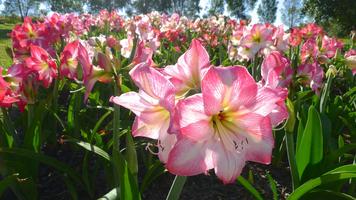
[205,112]
[206,117]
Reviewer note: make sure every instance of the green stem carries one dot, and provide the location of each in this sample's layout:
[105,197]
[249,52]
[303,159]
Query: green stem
[116,142]
[254,68]
[55,94]
[30,114]
[176,188]
[8,124]
[291,159]
[325,95]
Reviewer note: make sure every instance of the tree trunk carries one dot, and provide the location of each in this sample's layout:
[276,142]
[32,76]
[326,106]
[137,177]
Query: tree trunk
[20,9]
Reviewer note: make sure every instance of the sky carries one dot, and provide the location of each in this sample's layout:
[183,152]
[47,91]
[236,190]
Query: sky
[204,5]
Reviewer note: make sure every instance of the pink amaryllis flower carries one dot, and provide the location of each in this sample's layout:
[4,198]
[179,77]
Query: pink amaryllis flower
[259,37]
[350,58]
[309,50]
[295,37]
[7,97]
[225,126]
[311,30]
[92,74]
[126,46]
[142,54]
[41,62]
[277,75]
[276,70]
[329,46]
[69,60]
[190,68]
[311,75]
[153,105]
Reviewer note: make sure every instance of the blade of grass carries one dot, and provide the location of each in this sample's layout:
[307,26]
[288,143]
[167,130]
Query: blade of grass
[7,182]
[52,162]
[90,147]
[249,187]
[176,188]
[273,186]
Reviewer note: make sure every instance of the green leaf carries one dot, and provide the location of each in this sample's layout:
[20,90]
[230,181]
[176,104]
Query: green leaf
[35,117]
[112,195]
[250,177]
[340,173]
[128,184]
[334,156]
[176,188]
[247,185]
[90,147]
[8,128]
[273,186]
[328,194]
[299,134]
[52,162]
[7,182]
[131,155]
[100,121]
[71,188]
[154,171]
[310,151]
[73,113]
[340,142]
[291,120]
[351,168]
[124,88]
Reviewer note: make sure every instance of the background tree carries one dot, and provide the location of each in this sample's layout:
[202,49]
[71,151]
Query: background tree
[146,6]
[239,8]
[66,6]
[21,8]
[216,7]
[189,8]
[338,17]
[292,12]
[267,11]
[192,9]
[110,5]
[236,8]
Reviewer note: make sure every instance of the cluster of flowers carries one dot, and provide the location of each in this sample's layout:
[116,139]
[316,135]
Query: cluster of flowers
[250,42]
[210,117]
[34,60]
[203,116]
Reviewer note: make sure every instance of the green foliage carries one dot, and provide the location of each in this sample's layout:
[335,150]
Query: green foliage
[66,6]
[249,187]
[216,7]
[345,172]
[146,6]
[5,42]
[310,152]
[237,8]
[338,17]
[267,11]
[110,5]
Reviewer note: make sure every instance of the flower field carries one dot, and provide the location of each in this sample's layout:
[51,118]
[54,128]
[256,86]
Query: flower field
[109,106]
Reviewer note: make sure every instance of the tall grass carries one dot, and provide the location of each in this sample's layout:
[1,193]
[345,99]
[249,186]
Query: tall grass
[5,59]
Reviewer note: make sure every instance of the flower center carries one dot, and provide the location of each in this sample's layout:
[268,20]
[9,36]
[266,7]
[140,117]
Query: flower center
[31,34]
[44,65]
[227,132]
[256,38]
